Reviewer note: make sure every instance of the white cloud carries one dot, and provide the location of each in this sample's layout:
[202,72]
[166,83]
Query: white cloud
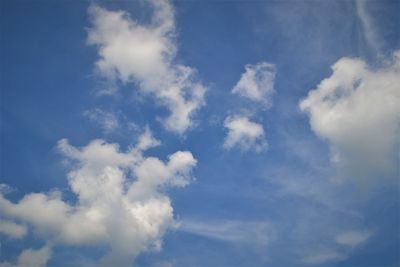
[237,232]
[257,83]
[346,242]
[353,238]
[121,200]
[146,140]
[12,229]
[328,249]
[31,258]
[108,121]
[244,134]
[370,32]
[357,110]
[144,54]
[323,257]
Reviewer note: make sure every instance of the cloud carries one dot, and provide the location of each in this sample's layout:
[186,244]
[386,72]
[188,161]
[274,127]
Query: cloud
[108,121]
[12,229]
[236,232]
[120,199]
[257,83]
[31,258]
[369,29]
[357,110]
[323,256]
[244,134]
[345,243]
[317,215]
[131,52]
[353,238]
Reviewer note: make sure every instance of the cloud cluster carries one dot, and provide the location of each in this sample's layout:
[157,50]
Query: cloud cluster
[257,83]
[357,110]
[120,203]
[130,52]
[244,134]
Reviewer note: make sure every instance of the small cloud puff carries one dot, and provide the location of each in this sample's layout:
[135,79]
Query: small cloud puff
[257,83]
[244,134]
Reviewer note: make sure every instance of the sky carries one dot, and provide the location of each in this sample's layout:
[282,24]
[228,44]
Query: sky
[199,133]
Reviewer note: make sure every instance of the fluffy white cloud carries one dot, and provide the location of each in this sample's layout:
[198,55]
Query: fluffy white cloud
[120,199]
[257,83]
[244,134]
[357,110]
[144,54]
[31,258]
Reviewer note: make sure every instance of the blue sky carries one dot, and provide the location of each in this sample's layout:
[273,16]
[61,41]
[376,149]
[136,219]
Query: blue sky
[199,133]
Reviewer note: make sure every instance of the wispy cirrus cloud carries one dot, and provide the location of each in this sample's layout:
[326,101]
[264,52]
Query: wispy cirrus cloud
[323,256]
[353,238]
[338,250]
[108,121]
[256,233]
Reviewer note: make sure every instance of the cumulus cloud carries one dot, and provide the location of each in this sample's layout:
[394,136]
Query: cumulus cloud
[357,110]
[244,134]
[257,83]
[121,200]
[31,258]
[144,54]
